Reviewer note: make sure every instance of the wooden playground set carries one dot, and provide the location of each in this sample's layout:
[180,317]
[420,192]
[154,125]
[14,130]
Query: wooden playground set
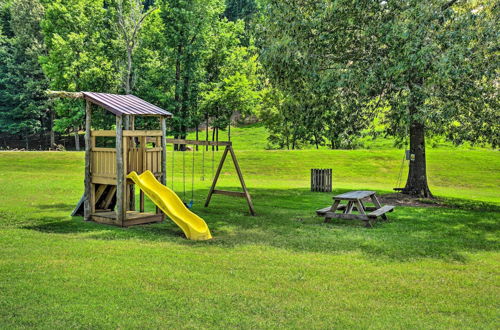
[138,158]
[109,196]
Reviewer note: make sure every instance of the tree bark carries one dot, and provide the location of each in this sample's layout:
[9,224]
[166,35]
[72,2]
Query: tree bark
[206,132]
[52,135]
[197,134]
[217,138]
[128,77]
[213,137]
[77,139]
[416,184]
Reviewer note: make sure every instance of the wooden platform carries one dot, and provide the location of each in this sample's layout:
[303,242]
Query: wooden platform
[133,218]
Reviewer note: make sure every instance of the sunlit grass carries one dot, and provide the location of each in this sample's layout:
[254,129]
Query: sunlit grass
[426,268]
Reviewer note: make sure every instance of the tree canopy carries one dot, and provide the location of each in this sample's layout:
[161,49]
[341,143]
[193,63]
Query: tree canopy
[423,68]
[321,73]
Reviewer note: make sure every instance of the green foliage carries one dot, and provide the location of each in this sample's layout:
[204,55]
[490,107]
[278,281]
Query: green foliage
[232,76]
[240,9]
[192,63]
[345,63]
[184,57]
[80,56]
[23,106]
[317,106]
[187,28]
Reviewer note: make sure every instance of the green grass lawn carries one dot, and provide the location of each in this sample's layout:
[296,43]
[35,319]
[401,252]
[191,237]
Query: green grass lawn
[426,268]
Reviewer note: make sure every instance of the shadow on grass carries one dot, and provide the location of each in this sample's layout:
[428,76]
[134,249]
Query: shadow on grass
[286,220]
[57,206]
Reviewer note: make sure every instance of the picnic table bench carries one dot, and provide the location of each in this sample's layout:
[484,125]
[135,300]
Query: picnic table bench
[354,201]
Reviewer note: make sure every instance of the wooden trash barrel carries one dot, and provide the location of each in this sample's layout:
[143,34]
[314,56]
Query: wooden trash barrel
[321,179]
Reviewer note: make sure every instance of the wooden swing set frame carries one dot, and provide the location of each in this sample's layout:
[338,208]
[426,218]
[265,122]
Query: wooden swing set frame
[228,150]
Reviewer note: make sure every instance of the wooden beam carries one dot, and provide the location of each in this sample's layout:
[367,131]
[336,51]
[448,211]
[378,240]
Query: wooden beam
[104,133]
[330,215]
[242,181]
[109,197]
[142,133]
[100,191]
[245,192]
[103,149]
[63,94]
[129,123]
[216,177]
[126,160]
[163,125]
[120,174]
[199,143]
[87,207]
[229,193]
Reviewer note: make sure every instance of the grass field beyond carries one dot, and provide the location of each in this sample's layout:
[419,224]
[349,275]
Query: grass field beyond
[433,267]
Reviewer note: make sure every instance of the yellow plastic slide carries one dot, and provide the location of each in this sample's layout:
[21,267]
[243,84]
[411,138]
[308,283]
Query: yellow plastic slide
[192,225]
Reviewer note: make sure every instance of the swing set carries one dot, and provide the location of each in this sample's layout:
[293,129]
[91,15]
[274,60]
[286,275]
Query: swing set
[215,175]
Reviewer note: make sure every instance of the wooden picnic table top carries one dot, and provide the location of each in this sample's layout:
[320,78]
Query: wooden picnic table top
[354,195]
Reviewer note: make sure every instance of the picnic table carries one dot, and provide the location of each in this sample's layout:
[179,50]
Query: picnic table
[354,200]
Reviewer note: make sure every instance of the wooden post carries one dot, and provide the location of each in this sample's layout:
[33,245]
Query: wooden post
[242,181]
[131,187]
[120,175]
[216,177]
[245,193]
[163,124]
[142,141]
[126,186]
[87,208]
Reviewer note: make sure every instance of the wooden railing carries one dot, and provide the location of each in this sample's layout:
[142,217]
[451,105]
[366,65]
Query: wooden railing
[143,159]
[103,162]
[137,156]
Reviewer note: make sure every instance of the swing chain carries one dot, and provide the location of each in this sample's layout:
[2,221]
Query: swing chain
[173,165]
[203,166]
[192,179]
[184,173]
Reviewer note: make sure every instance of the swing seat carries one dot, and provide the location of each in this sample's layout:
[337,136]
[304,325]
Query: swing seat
[189,205]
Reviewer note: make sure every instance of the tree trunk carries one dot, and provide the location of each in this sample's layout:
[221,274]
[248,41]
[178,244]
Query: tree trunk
[77,139]
[416,184]
[178,79]
[52,135]
[217,138]
[197,134]
[213,137]
[206,132]
[229,131]
[128,78]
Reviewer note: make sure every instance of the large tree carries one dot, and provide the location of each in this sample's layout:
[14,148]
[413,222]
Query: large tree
[303,63]
[231,82]
[425,67]
[187,26]
[130,17]
[82,55]
[23,105]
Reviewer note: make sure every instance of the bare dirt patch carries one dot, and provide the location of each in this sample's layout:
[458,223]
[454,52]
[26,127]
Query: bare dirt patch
[398,199]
